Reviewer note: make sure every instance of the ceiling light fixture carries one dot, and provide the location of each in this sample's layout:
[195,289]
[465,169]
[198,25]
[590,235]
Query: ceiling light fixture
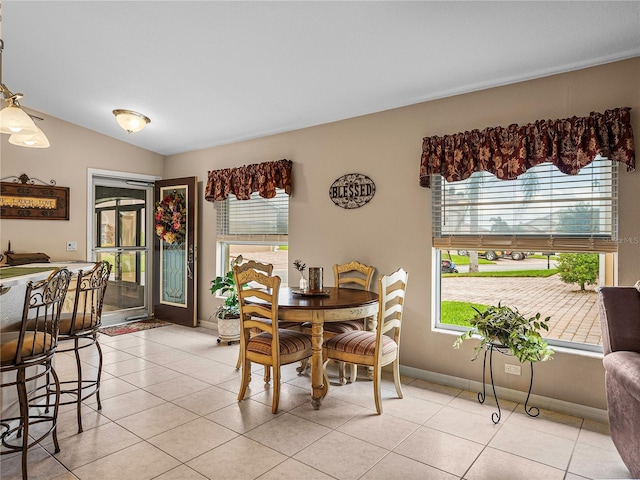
[131,121]
[16,122]
[33,140]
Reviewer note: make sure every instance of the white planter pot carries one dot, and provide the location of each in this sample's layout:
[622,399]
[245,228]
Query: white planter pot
[228,330]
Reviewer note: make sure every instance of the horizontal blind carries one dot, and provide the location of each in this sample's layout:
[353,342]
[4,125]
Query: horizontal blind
[542,209]
[258,219]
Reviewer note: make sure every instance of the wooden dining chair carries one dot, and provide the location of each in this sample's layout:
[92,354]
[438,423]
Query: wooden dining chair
[29,353]
[273,346]
[347,275]
[79,330]
[267,269]
[374,349]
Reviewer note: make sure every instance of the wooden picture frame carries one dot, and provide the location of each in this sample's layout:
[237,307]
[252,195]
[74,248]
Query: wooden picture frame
[26,201]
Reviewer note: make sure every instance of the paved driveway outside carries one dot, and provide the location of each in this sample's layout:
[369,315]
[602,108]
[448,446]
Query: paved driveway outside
[574,314]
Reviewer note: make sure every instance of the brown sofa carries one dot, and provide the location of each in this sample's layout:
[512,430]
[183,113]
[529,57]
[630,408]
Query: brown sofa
[620,319]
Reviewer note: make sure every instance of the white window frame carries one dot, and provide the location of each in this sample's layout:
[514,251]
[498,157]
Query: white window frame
[575,243]
[277,235]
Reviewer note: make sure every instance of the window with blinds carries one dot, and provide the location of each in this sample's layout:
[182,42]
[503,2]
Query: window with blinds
[543,209]
[255,220]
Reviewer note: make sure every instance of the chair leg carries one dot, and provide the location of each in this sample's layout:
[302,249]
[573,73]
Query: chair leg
[56,407]
[354,372]
[396,377]
[377,380]
[239,362]
[79,385]
[342,372]
[246,378]
[325,377]
[267,374]
[276,388]
[304,364]
[95,337]
[23,401]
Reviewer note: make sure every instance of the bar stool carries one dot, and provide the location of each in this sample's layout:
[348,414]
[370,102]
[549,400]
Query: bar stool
[80,329]
[29,353]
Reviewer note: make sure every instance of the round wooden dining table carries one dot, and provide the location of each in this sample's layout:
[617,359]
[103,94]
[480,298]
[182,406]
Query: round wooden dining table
[332,305]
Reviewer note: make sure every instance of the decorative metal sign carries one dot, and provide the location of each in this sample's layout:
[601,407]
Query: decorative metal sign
[23,199]
[352,190]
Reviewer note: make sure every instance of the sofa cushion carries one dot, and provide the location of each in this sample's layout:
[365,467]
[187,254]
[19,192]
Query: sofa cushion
[624,368]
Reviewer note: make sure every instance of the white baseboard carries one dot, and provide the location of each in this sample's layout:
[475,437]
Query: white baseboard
[539,401]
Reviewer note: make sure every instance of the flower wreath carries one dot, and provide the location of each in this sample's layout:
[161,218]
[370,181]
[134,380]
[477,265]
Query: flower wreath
[170,218]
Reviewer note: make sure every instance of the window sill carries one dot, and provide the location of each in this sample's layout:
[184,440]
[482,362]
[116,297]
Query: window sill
[557,348]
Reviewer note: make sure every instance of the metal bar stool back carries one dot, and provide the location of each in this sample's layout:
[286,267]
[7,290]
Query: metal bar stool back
[79,330]
[29,353]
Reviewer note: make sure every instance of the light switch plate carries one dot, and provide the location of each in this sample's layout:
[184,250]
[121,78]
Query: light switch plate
[72,246]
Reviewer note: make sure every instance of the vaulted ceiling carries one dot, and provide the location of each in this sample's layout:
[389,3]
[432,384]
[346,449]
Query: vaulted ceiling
[211,72]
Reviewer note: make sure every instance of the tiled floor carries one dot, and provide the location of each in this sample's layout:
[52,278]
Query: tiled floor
[169,411]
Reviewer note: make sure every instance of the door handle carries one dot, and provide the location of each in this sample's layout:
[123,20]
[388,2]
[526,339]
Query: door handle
[190,263]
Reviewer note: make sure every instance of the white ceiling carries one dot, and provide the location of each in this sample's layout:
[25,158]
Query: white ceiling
[210,73]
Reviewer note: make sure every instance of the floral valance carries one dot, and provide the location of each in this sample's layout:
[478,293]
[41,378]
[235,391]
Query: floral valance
[569,144]
[263,178]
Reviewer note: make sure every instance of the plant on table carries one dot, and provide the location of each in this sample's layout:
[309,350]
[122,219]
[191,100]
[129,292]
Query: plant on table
[504,326]
[301,267]
[226,285]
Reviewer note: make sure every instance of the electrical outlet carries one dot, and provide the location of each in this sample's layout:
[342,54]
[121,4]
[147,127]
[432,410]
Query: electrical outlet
[512,369]
[72,246]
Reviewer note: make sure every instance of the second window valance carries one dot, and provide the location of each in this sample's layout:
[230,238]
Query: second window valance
[262,178]
[569,144]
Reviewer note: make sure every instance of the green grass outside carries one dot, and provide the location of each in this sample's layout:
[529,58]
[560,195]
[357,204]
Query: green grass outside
[510,273]
[459,313]
[543,257]
[464,260]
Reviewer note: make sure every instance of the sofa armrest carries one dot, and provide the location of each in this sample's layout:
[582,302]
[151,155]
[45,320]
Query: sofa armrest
[624,368]
[619,318]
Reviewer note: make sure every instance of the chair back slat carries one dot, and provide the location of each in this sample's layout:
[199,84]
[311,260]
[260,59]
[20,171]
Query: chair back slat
[90,290]
[353,274]
[391,291]
[264,290]
[262,267]
[42,306]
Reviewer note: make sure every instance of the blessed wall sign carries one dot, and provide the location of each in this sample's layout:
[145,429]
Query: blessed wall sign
[352,190]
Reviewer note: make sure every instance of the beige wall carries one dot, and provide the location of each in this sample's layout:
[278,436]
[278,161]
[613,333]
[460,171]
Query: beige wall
[394,229]
[73,150]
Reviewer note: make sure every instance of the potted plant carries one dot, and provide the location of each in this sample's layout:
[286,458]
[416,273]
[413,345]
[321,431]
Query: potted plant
[228,313]
[506,327]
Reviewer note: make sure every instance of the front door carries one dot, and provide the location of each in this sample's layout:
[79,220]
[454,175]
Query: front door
[175,227]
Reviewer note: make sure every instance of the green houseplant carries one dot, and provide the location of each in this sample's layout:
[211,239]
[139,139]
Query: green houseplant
[228,313]
[505,326]
[226,285]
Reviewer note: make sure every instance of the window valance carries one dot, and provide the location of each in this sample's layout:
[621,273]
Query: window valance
[263,178]
[569,144]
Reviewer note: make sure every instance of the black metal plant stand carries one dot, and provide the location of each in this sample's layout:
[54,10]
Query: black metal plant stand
[496,416]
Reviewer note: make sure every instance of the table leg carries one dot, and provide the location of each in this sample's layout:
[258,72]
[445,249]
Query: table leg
[317,382]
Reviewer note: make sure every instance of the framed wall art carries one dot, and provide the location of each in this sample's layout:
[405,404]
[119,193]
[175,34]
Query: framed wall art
[23,199]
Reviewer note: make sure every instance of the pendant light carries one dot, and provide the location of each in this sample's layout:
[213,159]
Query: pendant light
[16,122]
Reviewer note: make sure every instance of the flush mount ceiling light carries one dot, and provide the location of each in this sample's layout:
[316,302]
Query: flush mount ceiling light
[131,121]
[16,122]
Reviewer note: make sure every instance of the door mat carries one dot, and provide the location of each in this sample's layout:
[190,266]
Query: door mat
[134,327]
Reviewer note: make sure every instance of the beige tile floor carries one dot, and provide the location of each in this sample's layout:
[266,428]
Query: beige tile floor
[169,411]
